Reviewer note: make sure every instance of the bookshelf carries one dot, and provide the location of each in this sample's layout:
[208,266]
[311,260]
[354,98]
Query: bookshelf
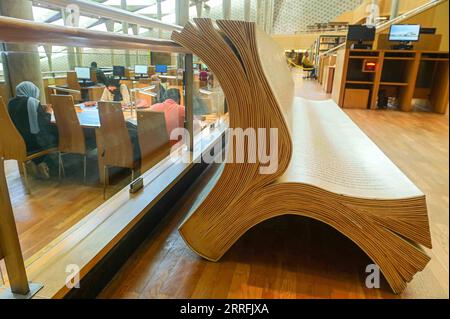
[403,75]
[324,43]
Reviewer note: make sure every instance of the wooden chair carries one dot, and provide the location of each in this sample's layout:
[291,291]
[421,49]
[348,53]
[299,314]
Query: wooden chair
[13,146]
[153,138]
[117,148]
[71,135]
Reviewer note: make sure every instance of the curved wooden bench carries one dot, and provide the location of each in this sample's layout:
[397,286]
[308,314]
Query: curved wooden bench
[328,169]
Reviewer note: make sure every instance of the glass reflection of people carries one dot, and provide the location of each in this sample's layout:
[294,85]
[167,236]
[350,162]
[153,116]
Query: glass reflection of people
[101,78]
[203,77]
[32,120]
[116,92]
[174,113]
[160,89]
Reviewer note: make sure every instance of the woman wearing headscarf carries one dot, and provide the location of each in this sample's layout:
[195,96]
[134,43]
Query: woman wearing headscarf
[32,121]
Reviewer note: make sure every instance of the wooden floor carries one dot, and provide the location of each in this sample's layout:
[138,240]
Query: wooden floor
[53,207]
[293,257]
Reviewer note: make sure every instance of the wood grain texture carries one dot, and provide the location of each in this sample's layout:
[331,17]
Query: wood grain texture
[297,257]
[12,144]
[327,168]
[153,138]
[71,136]
[117,149]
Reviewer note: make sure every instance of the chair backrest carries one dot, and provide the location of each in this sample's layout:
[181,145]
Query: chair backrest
[72,81]
[71,135]
[116,142]
[12,145]
[152,132]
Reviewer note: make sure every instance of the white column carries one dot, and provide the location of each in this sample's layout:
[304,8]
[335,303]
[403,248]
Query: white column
[199,8]
[247,7]
[159,15]
[181,12]
[394,9]
[226,6]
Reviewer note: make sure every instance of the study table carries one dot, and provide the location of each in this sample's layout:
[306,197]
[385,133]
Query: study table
[89,119]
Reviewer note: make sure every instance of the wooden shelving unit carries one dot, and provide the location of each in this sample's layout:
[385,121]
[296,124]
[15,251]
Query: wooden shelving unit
[406,75]
[325,43]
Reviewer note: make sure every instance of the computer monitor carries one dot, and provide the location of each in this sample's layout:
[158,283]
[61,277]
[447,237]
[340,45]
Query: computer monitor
[83,73]
[119,71]
[404,32]
[161,68]
[141,69]
[360,33]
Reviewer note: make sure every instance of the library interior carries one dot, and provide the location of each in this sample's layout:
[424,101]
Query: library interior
[224,149]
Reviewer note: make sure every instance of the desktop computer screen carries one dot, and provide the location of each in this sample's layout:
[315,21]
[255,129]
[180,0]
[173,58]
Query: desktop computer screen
[161,68]
[118,71]
[83,73]
[141,69]
[404,32]
[360,33]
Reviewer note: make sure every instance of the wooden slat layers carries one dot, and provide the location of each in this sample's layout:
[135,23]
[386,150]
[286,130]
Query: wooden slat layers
[376,206]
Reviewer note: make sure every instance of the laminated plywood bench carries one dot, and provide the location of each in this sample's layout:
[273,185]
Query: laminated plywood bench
[327,168]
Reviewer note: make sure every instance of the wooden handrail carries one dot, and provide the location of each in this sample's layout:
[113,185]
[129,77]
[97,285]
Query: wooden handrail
[9,239]
[14,30]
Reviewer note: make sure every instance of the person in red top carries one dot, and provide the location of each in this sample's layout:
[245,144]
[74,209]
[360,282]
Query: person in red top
[174,113]
[203,75]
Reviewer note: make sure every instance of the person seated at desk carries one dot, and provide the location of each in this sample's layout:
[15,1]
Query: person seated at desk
[160,89]
[32,120]
[307,64]
[116,92]
[174,113]
[101,78]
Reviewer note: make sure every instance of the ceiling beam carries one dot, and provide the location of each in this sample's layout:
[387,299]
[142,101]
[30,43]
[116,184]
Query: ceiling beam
[100,10]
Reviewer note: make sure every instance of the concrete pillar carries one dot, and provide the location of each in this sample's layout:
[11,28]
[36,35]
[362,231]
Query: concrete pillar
[159,16]
[268,16]
[123,5]
[181,12]
[199,8]
[226,5]
[22,62]
[181,18]
[260,12]
[48,53]
[135,29]
[110,28]
[71,54]
[247,7]
[394,9]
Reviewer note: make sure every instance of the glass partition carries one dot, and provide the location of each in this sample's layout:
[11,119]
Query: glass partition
[208,99]
[84,123]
